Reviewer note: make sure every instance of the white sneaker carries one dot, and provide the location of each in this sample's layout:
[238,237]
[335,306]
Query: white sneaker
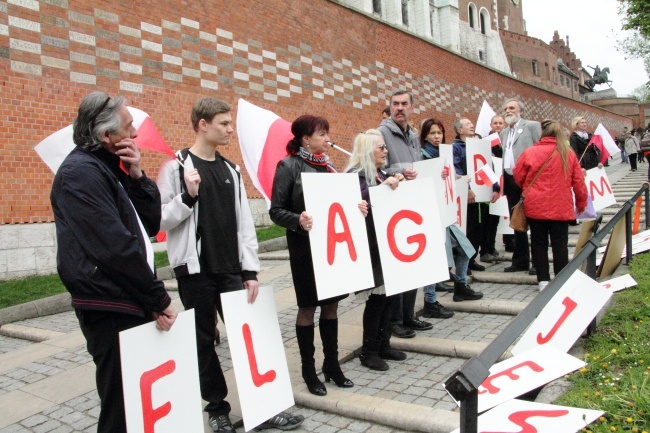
[542,285]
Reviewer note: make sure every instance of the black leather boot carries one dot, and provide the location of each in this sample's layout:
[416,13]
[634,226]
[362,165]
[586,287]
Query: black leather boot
[463,292]
[387,352]
[329,335]
[305,337]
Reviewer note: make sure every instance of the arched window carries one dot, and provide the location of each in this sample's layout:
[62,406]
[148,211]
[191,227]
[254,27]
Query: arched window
[484,20]
[376,6]
[405,12]
[471,15]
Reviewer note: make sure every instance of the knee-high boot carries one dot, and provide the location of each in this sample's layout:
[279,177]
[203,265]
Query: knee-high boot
[329,334]
[305,337]
[371,317]
[385,351]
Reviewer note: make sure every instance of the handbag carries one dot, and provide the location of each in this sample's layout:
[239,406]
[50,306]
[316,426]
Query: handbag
[518,220]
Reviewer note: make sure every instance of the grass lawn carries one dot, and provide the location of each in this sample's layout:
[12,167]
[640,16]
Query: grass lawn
[617,376]
[28,289]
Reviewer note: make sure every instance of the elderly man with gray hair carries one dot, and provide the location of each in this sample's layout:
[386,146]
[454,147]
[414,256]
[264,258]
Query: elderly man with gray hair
[519,135]
[104,217]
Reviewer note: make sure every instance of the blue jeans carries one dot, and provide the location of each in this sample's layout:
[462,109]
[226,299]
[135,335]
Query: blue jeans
[461,261]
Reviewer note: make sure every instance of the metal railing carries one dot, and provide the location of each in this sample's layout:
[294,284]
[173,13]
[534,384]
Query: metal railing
[463,385]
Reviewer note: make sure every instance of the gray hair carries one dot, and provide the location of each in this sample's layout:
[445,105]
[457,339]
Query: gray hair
[458,124]
[520,104]
[97,114]
[363,158]
[401,92]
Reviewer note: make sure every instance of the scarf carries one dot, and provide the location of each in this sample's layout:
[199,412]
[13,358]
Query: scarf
[319,159]
[582,134]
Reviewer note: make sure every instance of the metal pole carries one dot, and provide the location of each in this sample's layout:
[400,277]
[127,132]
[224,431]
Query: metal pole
[469,414]
[647,208]
[628,236]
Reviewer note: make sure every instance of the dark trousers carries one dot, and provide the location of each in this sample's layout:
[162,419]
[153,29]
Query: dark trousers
[520,255]
[477,228]
[403,307]
[101,329]
[202,292]
[492,224]
[540,231]
[376,317]
[633,161]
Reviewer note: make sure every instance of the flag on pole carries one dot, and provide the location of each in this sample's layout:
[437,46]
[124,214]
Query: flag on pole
[487,175]
[597,141]
[608,141]
[263,137]
[482,126]
[54,149]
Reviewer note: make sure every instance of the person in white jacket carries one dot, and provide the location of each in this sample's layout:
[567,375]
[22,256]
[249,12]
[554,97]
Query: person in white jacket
[212,251]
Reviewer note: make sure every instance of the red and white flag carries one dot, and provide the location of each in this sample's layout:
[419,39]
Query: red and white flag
[495,140]
[487,175]
[596,140]
[607,140]
[263,137]
[54,149]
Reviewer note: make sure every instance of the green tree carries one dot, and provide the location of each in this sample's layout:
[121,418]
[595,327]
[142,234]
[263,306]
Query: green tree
[636,19]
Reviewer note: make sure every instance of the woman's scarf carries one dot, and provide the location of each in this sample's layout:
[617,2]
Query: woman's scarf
[582,134]
[319,159]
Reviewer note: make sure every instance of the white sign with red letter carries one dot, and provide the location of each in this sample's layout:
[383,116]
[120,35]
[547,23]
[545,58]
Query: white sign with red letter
[338,238]
[528,417]
[565,316]
[599,188]
[461,203]
[445,189]
[522,373]
[619,283]
[160,377]
[409,236]
[258,355]
[479,153]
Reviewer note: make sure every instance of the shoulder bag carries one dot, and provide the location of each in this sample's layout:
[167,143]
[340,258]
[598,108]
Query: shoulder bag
[518,220]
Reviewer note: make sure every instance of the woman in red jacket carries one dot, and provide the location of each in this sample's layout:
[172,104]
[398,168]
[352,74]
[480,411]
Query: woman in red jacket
[548,202]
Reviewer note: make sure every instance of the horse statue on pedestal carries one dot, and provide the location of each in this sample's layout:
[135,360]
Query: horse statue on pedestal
[599,77]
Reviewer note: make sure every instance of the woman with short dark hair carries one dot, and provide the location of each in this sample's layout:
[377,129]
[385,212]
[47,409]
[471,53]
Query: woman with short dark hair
[306,154]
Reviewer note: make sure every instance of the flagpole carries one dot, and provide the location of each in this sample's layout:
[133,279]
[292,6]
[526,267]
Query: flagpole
[340,149]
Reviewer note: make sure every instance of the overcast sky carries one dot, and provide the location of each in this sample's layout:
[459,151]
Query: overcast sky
[593,28]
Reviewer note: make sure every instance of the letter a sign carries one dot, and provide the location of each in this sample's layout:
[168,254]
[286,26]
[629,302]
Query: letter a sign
[338,238]
[160,378]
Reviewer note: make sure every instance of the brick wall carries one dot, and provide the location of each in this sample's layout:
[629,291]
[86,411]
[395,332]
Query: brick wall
[286,56]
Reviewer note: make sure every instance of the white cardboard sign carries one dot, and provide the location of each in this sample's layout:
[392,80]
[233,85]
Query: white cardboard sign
[411,242]
[160,377]
[619,283]
[338,238]
[445,189]
[258,355]
[599,188]
[528,417]
[565,316]
[461,203]
[504,226]
[479,153]
[518,375]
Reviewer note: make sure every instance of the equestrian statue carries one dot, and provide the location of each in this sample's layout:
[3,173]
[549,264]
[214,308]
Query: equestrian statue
[599,77]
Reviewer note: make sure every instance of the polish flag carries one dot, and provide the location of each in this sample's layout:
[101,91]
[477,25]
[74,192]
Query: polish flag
[596,140]
[486,175]
[607,140]
[54,149]
[495,140]
[263,137]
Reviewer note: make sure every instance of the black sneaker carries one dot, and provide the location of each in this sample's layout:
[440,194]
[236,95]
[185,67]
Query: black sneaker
[475,266]
[392,354]
[435,310]
[221,424]
[401,331]
[465,293]
[282,421]
[442,287]
[418,325]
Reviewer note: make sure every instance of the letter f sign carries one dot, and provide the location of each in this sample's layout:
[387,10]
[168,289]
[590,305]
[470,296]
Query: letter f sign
[149,414]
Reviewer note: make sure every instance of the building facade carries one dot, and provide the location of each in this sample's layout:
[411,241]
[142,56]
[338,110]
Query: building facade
[290,57]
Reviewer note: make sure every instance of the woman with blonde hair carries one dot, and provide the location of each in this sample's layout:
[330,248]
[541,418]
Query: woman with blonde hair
[368,156]
[549,172]
[588,155]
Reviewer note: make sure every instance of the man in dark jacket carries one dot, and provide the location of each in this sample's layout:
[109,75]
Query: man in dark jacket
[104,217]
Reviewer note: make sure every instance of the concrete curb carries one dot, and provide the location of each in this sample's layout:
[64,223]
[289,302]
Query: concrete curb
[38,308]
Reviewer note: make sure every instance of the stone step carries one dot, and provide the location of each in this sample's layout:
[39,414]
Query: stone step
[504,278]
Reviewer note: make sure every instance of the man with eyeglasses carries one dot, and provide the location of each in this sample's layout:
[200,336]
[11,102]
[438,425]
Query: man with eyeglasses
[105,209]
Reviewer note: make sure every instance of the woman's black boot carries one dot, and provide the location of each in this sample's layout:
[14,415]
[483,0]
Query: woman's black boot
[370,356]
[329,334]
[305,337]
